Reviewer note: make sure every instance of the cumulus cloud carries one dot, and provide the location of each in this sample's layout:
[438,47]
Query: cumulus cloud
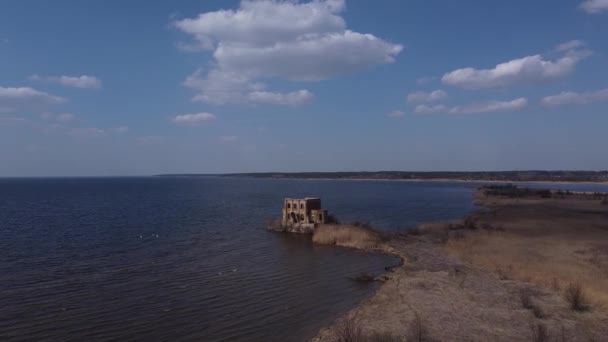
[295,98]
[476,107]
[490,106]
[308,58]
[193,119]
[286,40]
[570,45]
[265,22]
[421,96]
[27,94]
[17,97]
[81,82]
[572,98]
[426,109]
[395,114]
[594,6]
[530,69]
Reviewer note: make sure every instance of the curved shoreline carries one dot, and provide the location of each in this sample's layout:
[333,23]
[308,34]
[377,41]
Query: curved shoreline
[453,295]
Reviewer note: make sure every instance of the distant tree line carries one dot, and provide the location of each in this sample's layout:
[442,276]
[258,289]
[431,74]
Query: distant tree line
[512,176]
[513,191]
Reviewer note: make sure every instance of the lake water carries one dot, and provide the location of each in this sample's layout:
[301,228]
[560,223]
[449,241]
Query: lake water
[188,259]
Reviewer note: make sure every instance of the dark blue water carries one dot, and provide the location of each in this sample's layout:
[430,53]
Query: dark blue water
[188,259]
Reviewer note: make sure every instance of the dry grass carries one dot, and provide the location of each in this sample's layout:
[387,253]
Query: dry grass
[417,330]
[351,330]
[539,332]
[528,302]
[548,242]
[347,236]
[543,243]
[549,262]
[576,297]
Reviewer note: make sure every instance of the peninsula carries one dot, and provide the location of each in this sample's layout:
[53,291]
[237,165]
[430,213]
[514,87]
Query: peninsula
[531,265]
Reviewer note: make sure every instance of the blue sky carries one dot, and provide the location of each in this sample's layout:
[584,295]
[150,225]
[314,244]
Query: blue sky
[141,87]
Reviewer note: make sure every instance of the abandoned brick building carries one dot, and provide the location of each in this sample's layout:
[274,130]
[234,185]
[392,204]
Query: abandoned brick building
[303,212]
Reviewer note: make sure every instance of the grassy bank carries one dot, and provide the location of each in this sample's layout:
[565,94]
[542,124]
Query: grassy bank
[348,235]
[530,266]
[553,242]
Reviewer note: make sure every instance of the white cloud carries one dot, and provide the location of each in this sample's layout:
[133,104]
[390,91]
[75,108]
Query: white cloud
[227,139]
[308,58]
[594,6]
[570,45]
[265,22]
[421,96]
[277,39]
[87,132]
[490,106]
[221,87]
[572,98]
[193,119]
[295,98]
[474,108]
[395,114]
[530,69]
[81,82]
[425,109]
[27,94]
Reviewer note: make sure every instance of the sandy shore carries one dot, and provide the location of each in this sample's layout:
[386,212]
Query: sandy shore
[503,274]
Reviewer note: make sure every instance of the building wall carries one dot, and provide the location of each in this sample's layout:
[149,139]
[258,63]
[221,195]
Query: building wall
[303,211]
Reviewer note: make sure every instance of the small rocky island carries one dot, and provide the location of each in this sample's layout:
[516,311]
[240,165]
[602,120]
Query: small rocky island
[301,215]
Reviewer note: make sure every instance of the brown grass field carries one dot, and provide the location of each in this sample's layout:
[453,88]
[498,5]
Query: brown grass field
[548,242]
[521,269]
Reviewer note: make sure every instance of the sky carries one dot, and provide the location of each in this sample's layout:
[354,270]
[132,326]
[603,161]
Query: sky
[110,88]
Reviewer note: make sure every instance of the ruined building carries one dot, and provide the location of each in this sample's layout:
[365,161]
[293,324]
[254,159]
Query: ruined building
[303,214]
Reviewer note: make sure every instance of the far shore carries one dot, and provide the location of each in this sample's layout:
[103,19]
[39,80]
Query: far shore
[442,180]
[530,266]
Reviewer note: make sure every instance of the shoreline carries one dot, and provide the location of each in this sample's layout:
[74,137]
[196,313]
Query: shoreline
[433,180]
[449,289]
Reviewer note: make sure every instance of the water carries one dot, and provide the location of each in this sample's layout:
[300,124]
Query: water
[188,259]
